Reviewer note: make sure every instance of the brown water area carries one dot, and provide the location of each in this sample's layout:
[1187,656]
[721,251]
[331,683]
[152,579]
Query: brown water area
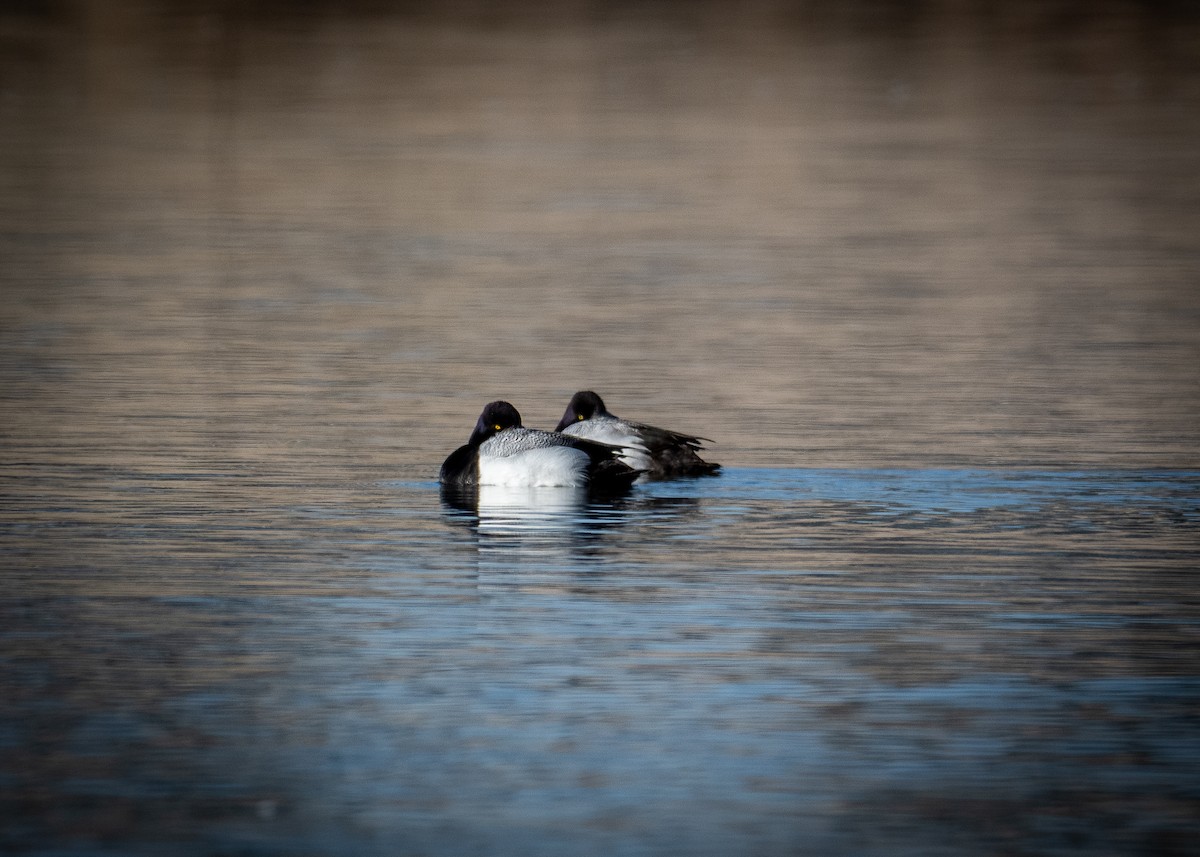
[928,274]
[832,236]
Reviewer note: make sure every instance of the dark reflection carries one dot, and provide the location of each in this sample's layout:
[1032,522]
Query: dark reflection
[461,502]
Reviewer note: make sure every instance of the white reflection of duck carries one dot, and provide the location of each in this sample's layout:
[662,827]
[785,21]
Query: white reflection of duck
[525,510]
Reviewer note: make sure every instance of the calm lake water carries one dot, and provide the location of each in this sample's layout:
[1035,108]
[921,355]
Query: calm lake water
[927,278]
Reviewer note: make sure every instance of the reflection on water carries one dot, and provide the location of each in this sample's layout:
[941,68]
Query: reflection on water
[501,508]
[925,273]
[531,531]
[520,526]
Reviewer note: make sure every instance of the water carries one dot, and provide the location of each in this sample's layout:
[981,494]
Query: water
[928,278]
[851,661]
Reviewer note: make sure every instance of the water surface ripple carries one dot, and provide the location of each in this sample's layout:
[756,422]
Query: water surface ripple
[776,660]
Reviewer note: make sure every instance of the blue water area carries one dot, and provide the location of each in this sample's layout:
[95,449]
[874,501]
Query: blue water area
[766,662]
[929,490]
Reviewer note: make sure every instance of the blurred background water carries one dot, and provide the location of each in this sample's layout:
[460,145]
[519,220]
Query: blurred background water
[927,273]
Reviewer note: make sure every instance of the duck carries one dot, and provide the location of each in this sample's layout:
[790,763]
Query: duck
[501,451]
[660,453]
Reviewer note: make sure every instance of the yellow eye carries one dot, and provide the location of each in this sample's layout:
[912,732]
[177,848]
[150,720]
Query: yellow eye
[497,427]
[579,417]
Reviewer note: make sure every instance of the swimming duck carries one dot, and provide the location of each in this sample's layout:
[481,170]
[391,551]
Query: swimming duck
[503,452]
[659,452]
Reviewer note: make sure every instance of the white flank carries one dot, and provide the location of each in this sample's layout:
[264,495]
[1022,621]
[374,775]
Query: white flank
[634,455]
[545,467]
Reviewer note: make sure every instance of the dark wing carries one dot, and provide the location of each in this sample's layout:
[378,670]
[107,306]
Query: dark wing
[607,472]
[461,468]
[674,453]
[656,438]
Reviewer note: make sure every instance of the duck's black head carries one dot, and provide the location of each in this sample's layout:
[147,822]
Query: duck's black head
[583,406]
[496,417]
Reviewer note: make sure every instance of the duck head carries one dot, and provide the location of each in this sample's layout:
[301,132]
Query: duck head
[496,417]
[583,406]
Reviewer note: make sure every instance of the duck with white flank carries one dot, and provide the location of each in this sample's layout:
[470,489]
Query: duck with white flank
[503,452]
[659,452]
